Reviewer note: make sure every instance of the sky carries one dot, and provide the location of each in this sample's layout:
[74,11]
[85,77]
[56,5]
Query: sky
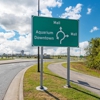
[15,23]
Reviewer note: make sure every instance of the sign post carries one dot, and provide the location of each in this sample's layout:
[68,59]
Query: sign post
[68,67]
[54,32]
[41,87]
[38,46]
[41,72]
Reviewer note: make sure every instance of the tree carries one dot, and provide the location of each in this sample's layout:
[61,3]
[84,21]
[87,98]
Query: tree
[93,54]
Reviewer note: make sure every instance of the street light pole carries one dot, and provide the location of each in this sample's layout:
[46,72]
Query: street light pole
[38,47]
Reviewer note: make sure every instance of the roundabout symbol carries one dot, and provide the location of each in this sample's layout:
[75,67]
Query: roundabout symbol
[64,35]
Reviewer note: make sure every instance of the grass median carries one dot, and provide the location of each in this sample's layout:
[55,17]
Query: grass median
[81,67]
[55,84]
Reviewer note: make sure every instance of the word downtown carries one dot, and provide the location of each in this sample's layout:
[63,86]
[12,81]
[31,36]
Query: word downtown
[44,37]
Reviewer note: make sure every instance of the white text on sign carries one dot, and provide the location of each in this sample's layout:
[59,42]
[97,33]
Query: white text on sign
[56,22]
[74,34]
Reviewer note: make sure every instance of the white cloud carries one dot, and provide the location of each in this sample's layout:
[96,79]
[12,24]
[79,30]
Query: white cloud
[89,10]
[63,50]
[81,50]
[49,3]
[9,35]
[24,43]
[5,36]
[94,29]
[72,12]
[16,14]
[84,44]
[49,51]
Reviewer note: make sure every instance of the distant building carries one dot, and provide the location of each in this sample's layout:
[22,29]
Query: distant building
[22,52]
[46,56]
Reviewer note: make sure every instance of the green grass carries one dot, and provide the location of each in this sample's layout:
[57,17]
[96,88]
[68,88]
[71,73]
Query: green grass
[81,67]
[6,58]
[55,85]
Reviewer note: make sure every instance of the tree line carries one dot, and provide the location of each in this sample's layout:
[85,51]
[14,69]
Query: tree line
[93,54]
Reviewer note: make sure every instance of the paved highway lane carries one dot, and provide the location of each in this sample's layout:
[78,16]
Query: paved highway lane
[89,82]
[8,72]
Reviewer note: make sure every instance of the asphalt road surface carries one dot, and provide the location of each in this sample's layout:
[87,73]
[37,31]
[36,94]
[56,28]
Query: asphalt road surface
[8,72]
[89,82]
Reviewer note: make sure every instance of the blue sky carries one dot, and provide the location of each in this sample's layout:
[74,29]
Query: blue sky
[86,21]
[15,23]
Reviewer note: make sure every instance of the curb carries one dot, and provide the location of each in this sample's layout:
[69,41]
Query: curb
[1,63]
[15,90]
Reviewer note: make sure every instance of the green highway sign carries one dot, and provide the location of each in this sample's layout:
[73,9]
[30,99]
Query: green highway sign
[55,32]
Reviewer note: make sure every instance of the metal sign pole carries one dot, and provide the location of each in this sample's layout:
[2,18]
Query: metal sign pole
[41,72]
[38,47]
[68,67]
[41,87]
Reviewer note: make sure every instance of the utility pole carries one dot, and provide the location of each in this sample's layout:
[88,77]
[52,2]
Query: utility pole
[38,47]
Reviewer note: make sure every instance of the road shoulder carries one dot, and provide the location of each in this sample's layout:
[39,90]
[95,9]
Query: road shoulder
[15,90]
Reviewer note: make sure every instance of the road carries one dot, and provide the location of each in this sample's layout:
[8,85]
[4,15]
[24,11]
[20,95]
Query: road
[8,72]
[89,82]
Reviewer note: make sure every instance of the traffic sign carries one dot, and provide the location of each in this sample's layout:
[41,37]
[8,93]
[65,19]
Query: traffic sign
[55,32]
